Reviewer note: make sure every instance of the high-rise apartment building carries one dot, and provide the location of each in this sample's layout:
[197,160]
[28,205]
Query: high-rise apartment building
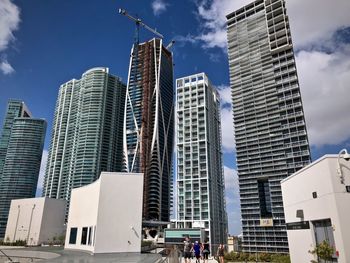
[87,132]
[148,125]
[199,183]
[15,109]
[270,130]
[22,142]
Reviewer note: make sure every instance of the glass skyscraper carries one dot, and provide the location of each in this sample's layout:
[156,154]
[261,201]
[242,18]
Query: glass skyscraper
[199,184]
[15,109]
[22,142]
[87,132]
[148,125]
[270,129]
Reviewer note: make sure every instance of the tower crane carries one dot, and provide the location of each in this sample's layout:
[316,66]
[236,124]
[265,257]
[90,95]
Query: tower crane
[138,23]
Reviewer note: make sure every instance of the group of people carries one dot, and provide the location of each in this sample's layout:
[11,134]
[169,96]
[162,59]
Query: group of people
[200,251]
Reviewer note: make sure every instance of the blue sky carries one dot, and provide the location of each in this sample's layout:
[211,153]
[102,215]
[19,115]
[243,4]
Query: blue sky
[46,43]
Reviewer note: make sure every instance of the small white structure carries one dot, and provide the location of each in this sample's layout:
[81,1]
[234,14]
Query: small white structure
[317,208]
[234,243]
[36,220]
[106,215]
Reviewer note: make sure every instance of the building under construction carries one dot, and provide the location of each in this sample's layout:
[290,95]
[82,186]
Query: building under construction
[148,124]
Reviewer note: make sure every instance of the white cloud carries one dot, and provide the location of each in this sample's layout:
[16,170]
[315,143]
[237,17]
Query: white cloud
[231,179]
[159,6]
[189,38]
[228,139]
[213,38]
[309,25]
[6,68]
[9,21]
[315,21]
[324,76]
[42,168]
[232,200]
[225,94]
[324,80]
[227,130]
[213,19]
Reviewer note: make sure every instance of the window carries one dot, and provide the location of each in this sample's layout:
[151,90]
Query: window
[89,239]
[265,198]
[73,235]
[324,232]
[94,235]
[84,235]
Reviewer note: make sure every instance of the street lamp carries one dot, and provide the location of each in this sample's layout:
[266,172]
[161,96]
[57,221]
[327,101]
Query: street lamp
[346,156]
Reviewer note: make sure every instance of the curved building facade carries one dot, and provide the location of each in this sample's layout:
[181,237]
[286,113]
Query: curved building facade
[22,164]
[148,125]
[15,109]
[87,132]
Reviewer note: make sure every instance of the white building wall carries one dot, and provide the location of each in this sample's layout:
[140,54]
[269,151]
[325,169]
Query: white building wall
[332,202]
[83,212]
[119,222]
[112,207]
[53,220]
[37,220]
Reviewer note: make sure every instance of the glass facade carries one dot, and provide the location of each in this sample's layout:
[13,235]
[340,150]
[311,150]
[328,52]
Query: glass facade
[15,109]
[270,129]
[20,171]
[199,183]
[148,125]
[87,132]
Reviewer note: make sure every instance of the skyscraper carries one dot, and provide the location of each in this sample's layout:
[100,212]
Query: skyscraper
[22,142]
[15,109]
[148,124]
[270,130]
[200,182]
[87,132]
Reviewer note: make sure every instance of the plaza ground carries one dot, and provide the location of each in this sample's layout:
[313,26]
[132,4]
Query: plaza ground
[59,255]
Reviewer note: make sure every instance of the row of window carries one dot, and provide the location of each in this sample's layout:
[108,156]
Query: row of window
[193,79]
[86,236]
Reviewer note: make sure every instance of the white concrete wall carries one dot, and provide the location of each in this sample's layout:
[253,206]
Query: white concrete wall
[27,220]
[119,220]
[83,211]
[112,206]
[53,220]
[332,202]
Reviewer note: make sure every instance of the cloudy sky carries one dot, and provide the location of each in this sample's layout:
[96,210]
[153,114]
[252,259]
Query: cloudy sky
[46,43]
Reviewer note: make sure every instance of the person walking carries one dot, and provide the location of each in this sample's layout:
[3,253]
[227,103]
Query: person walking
[197,251]
[187,249]
[205,251]
[220,253]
